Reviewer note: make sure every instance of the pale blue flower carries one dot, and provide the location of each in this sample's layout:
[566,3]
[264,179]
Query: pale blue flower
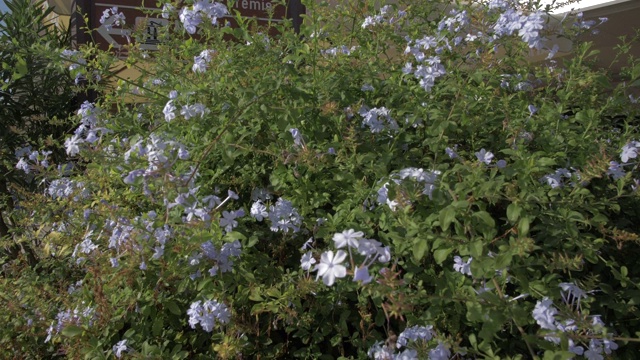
[259,210]
[407,354]
[348,238]
[461,266]
[190,20]
[414,333]
[544,314]
[119,348]
[379,351]
[72,145]
[484,156]
[451,153]
[227,221]
[23,165]
[307,261]
[297,137]
[629,151]
[330,267]
[441,352]
[361,273]
[572,294]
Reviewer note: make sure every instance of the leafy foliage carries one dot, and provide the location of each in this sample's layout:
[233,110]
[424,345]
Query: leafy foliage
[211,194]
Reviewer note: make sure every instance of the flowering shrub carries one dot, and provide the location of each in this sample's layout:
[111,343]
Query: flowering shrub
[392,184]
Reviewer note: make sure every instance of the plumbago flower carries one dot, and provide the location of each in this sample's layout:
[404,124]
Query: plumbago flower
[484,156]
[549,318]
[420,176]
[192,16]
[629,151]
[461,266]
[348,238]
[207,314]
[120,348]
[330,267]
[111,17]
[200,62]
[377,119]
[415,336]
[386,16]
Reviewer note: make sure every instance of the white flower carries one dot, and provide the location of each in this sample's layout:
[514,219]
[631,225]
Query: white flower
[23,165]
[362,274]
[307,260]
[629,151]
[72,145]
[347,238]
[259,210]
[484,156]
[544,314]
[120,347]
[297,137]
[462,267]
[330,268]
[168,111]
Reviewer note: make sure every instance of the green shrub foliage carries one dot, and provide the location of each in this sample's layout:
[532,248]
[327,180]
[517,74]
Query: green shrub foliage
[390,182]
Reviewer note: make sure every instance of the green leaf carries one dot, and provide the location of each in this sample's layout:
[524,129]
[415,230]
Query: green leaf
[485,217]
[173,308]
[441,255]
[523,226]
[71,331]
[419,248]
[157,326]
[558,355]
[447,216]
[513,212]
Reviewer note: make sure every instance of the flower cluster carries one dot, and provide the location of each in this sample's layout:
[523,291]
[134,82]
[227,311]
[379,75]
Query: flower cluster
[65,187]
[200,62]
[88,131]
[191,17]
[377,119]
[409,336]
[206,314]
[426,178]
[282,215]
[111,17]
[85,316]
[73,57]
[222,257]
[386,16]
[429,68]
[85,247]
[136,236]
[30,160]
[330,266]
[544,313]
[159,154]
[527,26]
[344,50]
[555,180]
